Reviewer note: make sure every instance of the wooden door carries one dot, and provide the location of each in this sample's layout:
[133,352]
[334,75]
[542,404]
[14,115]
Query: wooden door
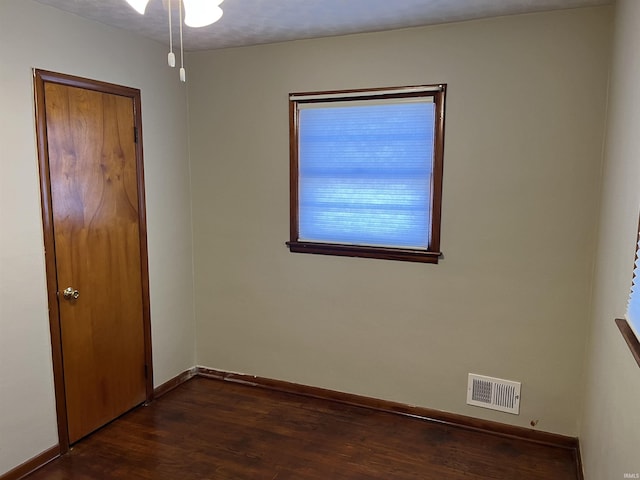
[94,177]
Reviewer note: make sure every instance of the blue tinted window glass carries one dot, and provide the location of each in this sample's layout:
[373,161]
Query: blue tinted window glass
[633,310]
[365,174]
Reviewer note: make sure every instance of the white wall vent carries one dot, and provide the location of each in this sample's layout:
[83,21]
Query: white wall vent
[493,393]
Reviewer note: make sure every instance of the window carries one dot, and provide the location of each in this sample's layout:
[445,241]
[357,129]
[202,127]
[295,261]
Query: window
[630,326]
[366,172]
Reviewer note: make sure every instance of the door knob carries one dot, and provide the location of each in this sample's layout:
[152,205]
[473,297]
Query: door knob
[71,293]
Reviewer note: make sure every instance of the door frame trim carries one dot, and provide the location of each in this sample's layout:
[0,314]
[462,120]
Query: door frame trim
[40,78]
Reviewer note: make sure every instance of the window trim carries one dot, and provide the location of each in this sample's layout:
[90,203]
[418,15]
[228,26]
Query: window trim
[630,336]
[432,254]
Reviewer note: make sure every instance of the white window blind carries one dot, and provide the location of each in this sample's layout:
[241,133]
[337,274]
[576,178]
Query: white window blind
[365,172]
[633,308]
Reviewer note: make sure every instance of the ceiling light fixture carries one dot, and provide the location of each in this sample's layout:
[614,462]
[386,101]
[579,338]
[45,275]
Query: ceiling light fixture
[200,13]
[197,13]
[139,5]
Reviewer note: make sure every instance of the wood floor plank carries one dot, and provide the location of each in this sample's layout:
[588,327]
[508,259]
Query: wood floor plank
[215,430]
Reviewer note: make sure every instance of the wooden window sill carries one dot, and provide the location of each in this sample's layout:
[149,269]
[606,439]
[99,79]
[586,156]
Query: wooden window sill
[407,255]
[630,338]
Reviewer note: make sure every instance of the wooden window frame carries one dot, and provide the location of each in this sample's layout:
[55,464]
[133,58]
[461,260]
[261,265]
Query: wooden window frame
[633,342]
[430,255]
[630,338]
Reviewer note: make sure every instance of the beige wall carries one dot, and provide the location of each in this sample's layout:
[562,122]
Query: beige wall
[33,35]
[524,133]
[511,298]
[610,431]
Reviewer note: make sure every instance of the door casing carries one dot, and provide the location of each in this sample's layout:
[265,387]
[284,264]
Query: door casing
[40,78]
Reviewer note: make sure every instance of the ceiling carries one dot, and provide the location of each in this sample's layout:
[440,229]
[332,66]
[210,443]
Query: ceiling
[252,22]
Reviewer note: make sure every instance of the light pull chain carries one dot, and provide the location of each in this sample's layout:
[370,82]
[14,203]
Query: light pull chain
[183,74]
[171,58]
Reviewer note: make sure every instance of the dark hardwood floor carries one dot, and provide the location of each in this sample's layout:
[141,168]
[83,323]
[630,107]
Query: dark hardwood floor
[216,430]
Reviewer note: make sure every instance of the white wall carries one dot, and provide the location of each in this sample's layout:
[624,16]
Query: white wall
[610,432]
[33,35]
[524,132]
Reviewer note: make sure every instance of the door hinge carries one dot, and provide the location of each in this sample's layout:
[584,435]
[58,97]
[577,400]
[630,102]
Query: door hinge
[135,134]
